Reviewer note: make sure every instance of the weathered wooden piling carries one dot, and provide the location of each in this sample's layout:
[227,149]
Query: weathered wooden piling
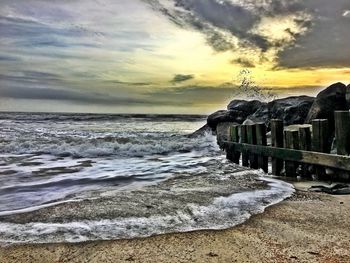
[235,138]
[342,132]
[291,142]
[305,145]
[244,139]
[229,150]
[261,139]
[320,135]
[292,148]
[251,139]
[320,141]
[277,141]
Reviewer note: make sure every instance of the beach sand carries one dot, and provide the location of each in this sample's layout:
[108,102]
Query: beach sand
[308,227]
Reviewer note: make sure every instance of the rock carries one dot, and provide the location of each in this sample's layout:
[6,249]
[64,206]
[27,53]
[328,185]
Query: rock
[224,116]
[238,111]
[244,106]
[223,132]
[217,117]
[201,132]
[292,110]
[327,101]
[261,115]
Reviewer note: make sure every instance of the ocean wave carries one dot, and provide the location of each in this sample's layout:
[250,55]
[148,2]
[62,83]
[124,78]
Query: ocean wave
[70,181]
[222,213]
[109,146]
[77,117]
[62,135]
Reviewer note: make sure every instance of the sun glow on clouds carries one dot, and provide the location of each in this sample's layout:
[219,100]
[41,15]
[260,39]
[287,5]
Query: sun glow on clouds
[126,54]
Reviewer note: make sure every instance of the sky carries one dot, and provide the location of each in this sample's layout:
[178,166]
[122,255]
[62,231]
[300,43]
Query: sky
[166,56]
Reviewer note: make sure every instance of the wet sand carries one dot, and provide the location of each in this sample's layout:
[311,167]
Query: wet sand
[308,227]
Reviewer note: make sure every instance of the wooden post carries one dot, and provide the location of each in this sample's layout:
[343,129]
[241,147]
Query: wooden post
[320,138]
[319,135]
[245,157]
[251,139]
[261,139]
[325,159]
[277,141]
[291,142]
[229,152]
[305,145]
[235,138]
[342,132]
[229,148]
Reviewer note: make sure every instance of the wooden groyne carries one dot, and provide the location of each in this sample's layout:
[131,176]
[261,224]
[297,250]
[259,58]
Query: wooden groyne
[303,152]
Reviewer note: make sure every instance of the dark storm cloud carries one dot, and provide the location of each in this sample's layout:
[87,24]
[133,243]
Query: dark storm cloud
[227,16]
[181,78]
[214,18]
[325,42]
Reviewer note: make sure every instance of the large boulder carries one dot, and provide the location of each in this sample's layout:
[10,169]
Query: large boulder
[327,101]
[223,132]
[292,110]
[220,116]
[238,111]
[244,106]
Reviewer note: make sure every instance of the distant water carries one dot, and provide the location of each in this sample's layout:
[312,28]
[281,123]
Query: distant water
[78,177]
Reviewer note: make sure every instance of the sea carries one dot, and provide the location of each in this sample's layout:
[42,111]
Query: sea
[87,177]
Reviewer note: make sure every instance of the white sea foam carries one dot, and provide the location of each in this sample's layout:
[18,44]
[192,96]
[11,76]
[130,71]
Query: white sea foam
[52,160]
[120,137]
[224,212]
[137,147]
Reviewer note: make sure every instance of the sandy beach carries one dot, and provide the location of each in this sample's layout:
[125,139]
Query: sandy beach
[308,227]
[157,131]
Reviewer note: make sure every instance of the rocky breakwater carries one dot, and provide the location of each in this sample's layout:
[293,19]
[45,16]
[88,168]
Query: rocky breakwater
[334,98]
[292,110]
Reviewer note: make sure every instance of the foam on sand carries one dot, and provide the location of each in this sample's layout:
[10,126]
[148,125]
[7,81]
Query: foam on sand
[223,212]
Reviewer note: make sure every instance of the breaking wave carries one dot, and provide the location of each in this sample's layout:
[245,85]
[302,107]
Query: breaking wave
[222,213]
[98,147]
[76,177]
[100,135]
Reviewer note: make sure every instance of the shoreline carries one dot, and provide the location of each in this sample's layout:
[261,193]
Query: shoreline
[307,227]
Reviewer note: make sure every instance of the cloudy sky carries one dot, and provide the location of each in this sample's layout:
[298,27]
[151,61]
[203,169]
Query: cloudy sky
[165,56]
